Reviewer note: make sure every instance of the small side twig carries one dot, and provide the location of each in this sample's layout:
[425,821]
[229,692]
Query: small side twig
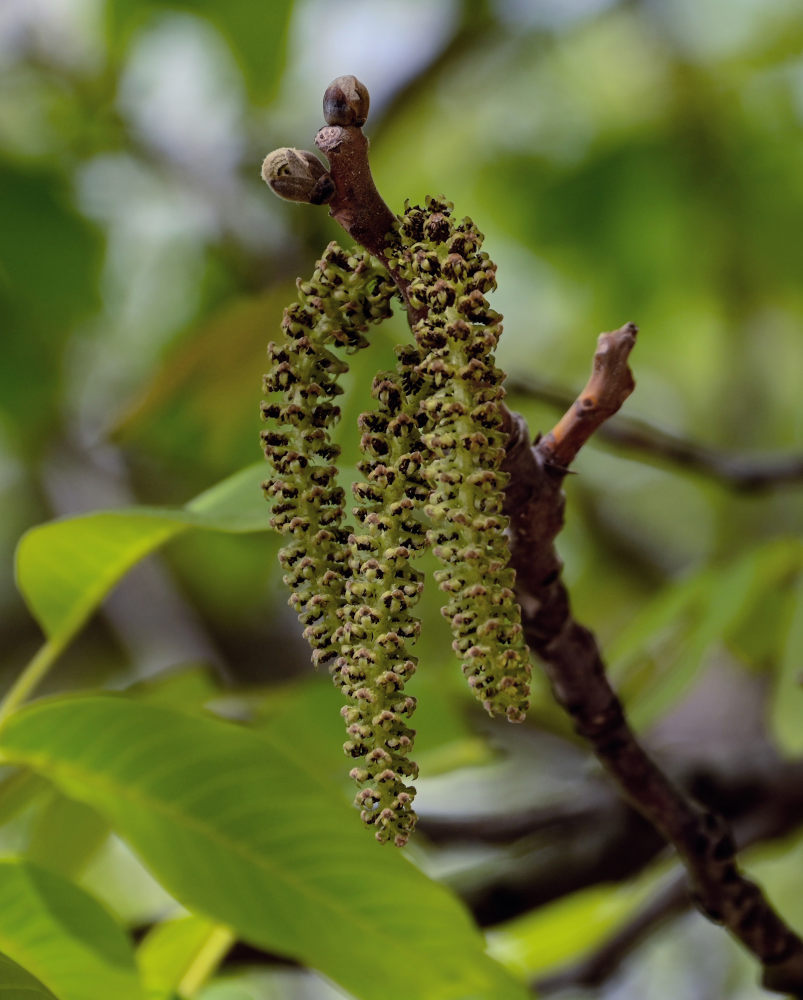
[611,382]
[743,473]
[534,502]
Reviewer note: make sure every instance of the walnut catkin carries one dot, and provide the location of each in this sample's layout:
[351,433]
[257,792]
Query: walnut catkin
[345,294]
[449,276]
[432,451]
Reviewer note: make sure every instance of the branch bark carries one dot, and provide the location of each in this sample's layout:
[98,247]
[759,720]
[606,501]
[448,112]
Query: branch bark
[768,819]
[568,650]
[576,673]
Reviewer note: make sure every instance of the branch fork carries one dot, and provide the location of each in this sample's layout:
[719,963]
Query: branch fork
[535,504]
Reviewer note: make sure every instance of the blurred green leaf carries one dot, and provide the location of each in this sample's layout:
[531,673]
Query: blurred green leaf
[62,936]
[786,705]
[200,410]
[66,835]
[230,991]
[171,950]
[657,657]
[246,831]
[17,984]
[568,928]
[46,246]
[49,271]
[18,790]
[257,33]
[186,687]
[65,568]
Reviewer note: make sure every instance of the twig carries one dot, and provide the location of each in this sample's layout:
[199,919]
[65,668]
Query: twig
[610,384]
[744,473]
[569,651]
[356,204]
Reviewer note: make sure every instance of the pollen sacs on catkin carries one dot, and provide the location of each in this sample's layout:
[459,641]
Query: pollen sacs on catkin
[463,441]
[377,622]
[344,296]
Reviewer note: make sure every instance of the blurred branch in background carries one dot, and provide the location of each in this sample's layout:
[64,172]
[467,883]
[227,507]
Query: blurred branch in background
[762,805]
[744,473]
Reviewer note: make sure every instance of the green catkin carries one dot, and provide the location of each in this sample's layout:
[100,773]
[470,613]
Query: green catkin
[433,449]
[462,434]
[347,292]
[377,624]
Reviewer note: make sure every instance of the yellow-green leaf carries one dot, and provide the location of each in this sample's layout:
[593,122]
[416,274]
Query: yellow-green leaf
[242,828]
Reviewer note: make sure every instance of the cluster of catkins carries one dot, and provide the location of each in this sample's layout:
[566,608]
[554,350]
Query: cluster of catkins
[432,447]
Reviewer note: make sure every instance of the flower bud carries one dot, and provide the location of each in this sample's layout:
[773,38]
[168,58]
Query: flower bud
[297,175]
[346,102]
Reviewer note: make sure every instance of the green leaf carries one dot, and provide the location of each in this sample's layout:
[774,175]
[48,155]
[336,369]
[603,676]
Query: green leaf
[230,991]
[185,687]
[786,703]
[66,567]
[63,936]
[35,203]
[17,984]
[197,413]
[66,835]
[658,656]
[177,956]
[241,828]
[18,790]
[49,269]
[567,928]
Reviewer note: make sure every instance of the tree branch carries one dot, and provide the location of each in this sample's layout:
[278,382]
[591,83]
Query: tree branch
[595,837]
[744,473]
[576,672]
[534,502]
[770,817]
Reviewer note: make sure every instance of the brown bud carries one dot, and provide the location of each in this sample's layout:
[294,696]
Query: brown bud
[297,175]
[346,102]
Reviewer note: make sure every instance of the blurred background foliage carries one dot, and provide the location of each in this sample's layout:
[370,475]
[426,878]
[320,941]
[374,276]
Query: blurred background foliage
[626,160]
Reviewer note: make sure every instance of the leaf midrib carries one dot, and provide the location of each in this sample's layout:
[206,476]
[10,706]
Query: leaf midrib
[247,853]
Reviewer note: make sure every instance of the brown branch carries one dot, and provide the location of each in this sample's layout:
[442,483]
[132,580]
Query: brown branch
[594,837]
[745,473]
[569,651]
[356,204]
[576,672]
[778,810]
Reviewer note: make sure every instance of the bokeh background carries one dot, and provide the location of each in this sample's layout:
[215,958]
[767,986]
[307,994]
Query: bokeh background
[636,160]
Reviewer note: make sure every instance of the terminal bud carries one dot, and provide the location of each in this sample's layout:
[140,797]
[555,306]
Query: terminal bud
[346,102]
